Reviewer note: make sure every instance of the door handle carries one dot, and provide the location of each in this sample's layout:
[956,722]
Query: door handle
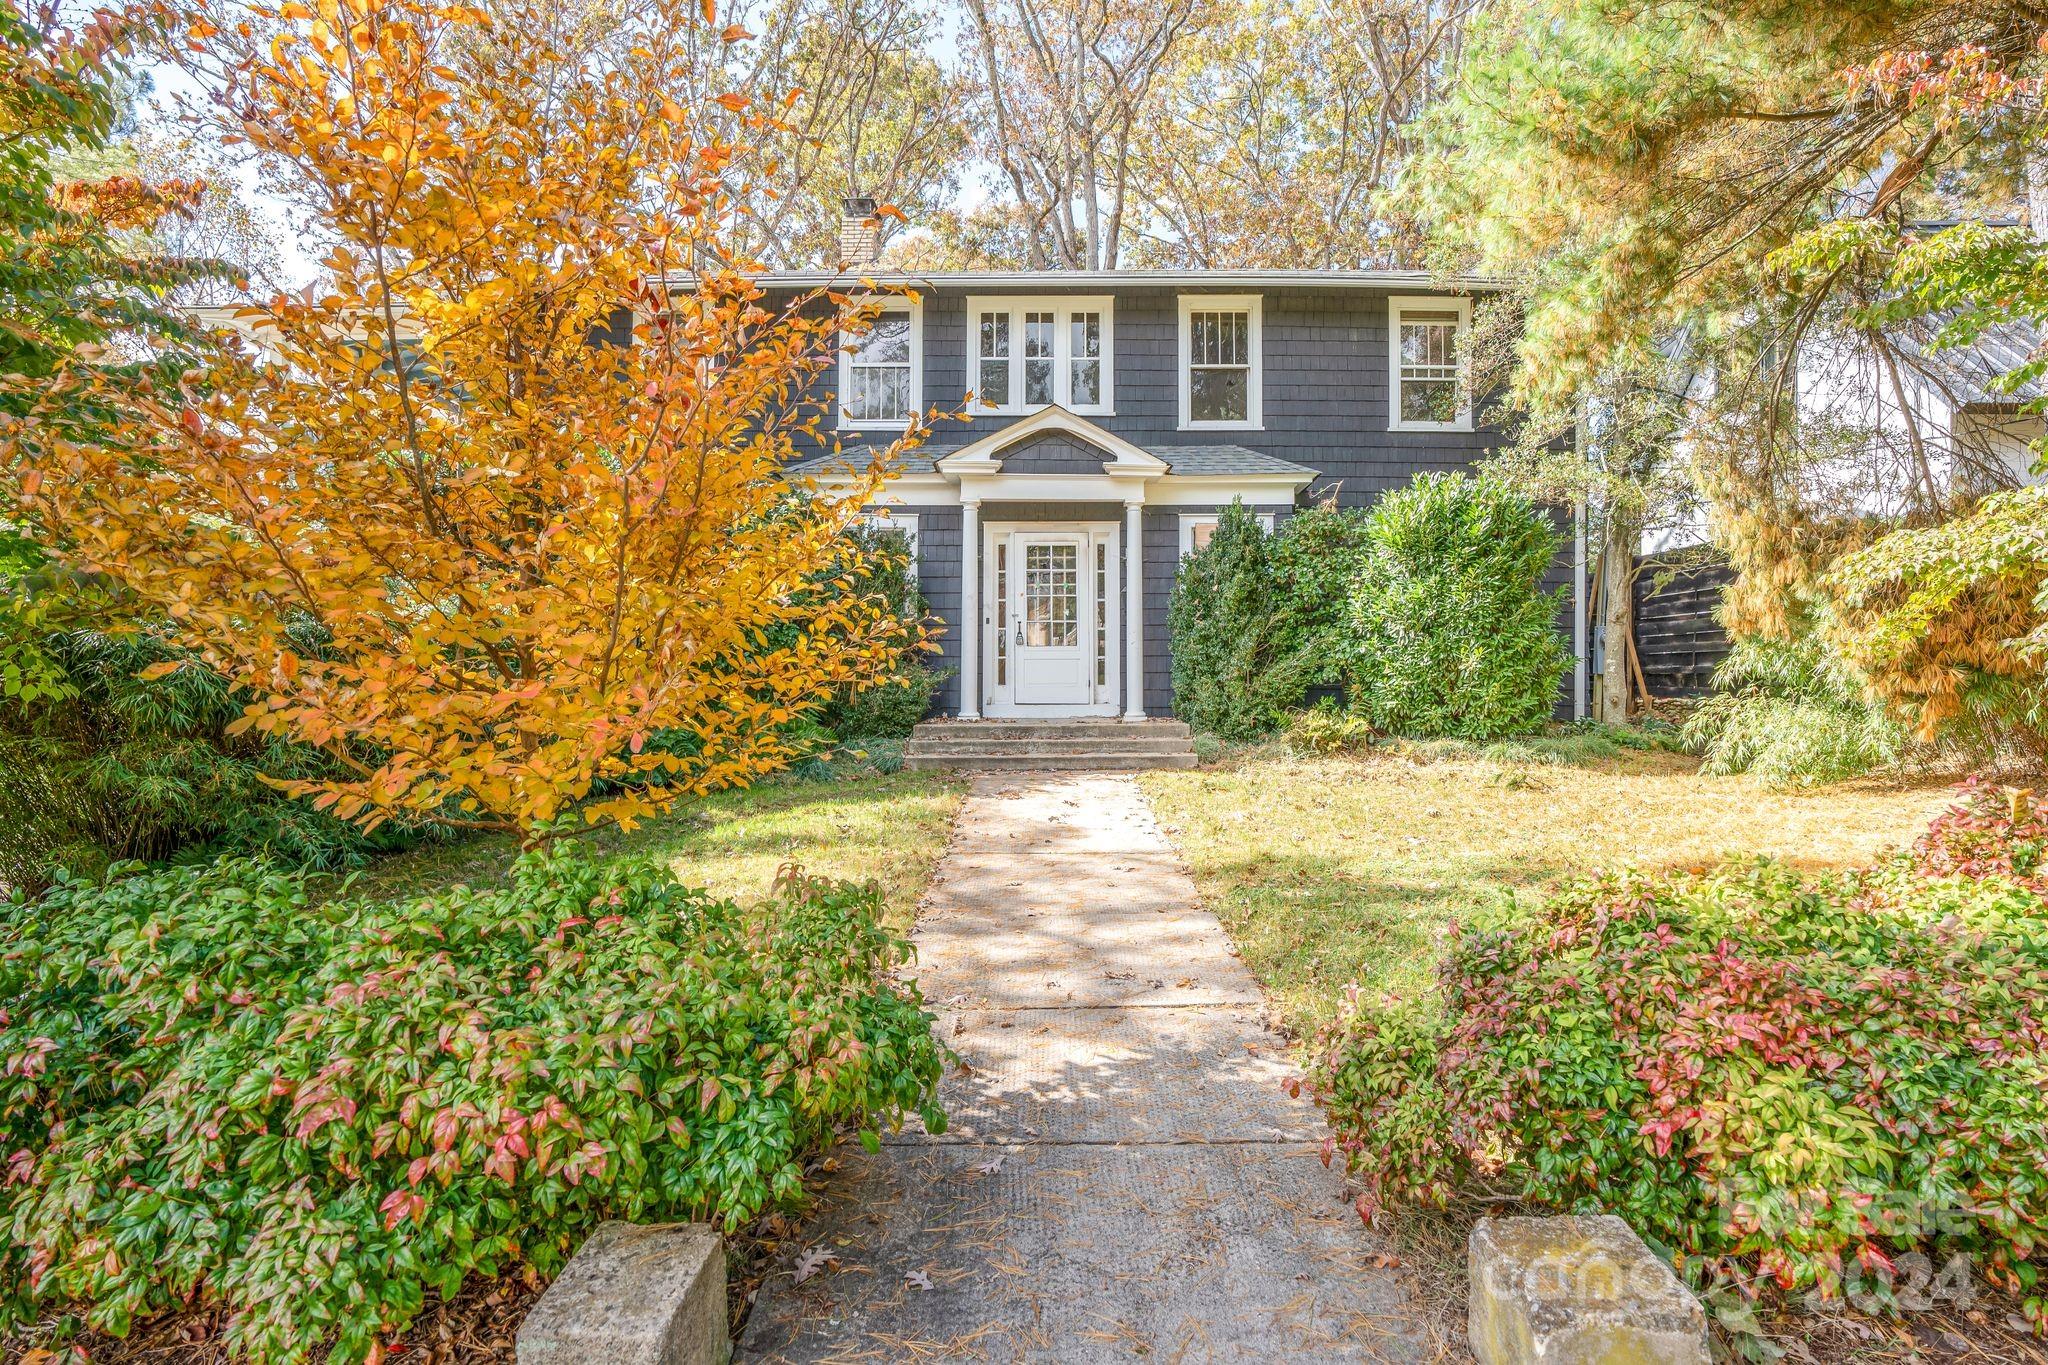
[1019,635]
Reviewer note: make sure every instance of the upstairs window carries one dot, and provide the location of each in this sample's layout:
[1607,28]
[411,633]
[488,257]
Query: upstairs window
[1220,362]
[881,372]
[1032,353]
[1428,390]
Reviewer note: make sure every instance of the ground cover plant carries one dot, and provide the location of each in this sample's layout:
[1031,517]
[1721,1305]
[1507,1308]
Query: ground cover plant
[219,1088]
[1826,1083]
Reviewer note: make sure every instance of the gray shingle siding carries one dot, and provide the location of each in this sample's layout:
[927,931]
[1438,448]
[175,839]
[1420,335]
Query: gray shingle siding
[1324,387]
[1324,400]
[1053,454]
[938,577]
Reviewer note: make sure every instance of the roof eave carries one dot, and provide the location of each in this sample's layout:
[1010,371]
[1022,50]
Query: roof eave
[1072,279]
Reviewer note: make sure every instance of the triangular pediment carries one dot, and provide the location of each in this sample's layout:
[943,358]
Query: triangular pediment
[1051,441]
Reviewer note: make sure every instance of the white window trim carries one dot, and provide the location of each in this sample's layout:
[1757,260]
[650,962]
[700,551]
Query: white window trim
[1063,306]
[890,303]
[1190,520]
[1253,306]
[1399,304]
[889,519]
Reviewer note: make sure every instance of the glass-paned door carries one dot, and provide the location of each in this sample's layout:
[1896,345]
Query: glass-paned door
[1051,607]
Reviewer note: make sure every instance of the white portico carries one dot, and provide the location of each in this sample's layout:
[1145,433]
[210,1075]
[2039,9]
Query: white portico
[1053,559]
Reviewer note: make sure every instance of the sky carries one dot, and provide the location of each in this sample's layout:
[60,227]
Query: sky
[169,87]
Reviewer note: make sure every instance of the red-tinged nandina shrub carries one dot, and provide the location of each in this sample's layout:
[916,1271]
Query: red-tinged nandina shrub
[1991,831]
[1771,1078]
[216,1090]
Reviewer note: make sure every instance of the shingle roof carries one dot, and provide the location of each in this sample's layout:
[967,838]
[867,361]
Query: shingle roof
[1222,460]
[821,464]
[1967,372]
[1225,460]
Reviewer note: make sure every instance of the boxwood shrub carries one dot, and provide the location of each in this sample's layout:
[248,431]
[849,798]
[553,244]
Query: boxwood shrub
[1772,1078]
[217,1089]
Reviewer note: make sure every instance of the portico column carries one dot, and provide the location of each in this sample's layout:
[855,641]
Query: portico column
[1134,611]
[970,609]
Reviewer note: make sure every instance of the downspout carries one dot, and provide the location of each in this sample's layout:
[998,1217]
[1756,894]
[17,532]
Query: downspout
[1581,642]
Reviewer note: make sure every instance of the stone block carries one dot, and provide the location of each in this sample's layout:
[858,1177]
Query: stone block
[1578,1291]
[634,1295]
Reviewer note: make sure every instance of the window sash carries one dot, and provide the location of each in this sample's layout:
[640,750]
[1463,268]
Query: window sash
[878,372]
[1221,370]
[1429,371]
[1032,353]
[992,359]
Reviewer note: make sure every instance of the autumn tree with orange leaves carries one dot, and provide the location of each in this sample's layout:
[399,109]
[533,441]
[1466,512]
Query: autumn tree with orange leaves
[504,501]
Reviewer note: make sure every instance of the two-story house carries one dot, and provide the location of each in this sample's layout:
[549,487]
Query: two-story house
[1111,416]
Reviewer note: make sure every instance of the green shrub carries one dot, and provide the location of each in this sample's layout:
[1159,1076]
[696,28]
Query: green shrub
[1791,714]
[1327,730]
[1229,677]
[1315,557]
[115,766]
[892,709]
[881,755]
[218,1090]
[1452,634]
[1774,1079]
[1259,619]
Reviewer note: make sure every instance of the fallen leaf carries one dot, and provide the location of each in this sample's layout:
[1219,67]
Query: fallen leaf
[991,1166]
[811,1260]
[917,1279]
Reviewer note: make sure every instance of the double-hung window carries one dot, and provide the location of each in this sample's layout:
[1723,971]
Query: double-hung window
[1428,389]
[1030,353]
[1220,365]
[1197,529]
[881,371]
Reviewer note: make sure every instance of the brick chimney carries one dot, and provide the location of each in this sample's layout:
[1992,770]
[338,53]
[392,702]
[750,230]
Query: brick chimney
[860,233]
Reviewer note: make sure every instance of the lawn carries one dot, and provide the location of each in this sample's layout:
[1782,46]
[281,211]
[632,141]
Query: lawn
[1333,870]
[890,829]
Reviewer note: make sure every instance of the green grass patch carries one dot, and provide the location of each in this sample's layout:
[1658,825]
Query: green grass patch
[886,828]
[1340,869]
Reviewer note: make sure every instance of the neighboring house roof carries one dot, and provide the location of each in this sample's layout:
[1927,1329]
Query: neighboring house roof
[1968,372]
[1063,279]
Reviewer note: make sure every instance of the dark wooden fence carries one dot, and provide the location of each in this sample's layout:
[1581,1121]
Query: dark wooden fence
[1678,641]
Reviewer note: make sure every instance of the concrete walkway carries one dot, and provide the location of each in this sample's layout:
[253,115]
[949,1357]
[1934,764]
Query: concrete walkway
[1123,1176]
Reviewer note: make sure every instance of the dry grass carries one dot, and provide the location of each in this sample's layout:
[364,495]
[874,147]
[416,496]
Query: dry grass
[1332,870]
[889,829]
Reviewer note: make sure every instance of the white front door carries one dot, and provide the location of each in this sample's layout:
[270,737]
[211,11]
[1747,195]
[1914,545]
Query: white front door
[1052,642]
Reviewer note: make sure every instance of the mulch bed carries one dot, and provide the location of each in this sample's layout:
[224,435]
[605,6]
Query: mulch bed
[475,1328]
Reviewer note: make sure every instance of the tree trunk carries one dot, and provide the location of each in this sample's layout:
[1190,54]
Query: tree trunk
[1619,537]
[2037,192]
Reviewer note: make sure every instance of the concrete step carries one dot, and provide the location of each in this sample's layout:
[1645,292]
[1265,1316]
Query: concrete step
[1043,747]
[1081,728]
[1099,760]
